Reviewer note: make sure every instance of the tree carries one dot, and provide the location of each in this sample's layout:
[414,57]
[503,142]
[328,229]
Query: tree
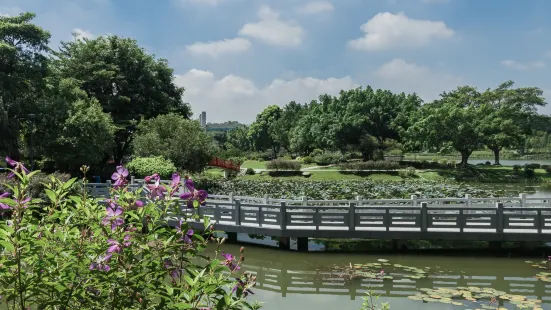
[237,138]
[72,128]
[176,138]
[453,121]
[261,132]
[23,67]
[128,83]
[281,130]
[508,115]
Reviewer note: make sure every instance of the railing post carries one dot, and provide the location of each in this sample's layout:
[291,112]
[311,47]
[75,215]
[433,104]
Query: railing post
[352,216]
[304,200]
[359,200]
[237,212]
[131,180]
[283,216]
[424,216]
[499,217]
[108,194]
[266,198]
[414,200]
[539,223]
[468,197]
[522,198]
[230,196]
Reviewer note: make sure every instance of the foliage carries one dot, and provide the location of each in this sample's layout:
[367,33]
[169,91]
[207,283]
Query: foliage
[345,189]
[370,165]
[306,160]
[141,167]
[409,172]
[128,83]
[263,132]
[23,69]
[249,171]
[174,137]
[237,138]
[237,160]
[85,255]
[36,184]
[326,159]
[282,165]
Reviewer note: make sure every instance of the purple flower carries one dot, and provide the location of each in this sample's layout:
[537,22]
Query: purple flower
[241,284]
[23,203]
[174,273]
[16,166]
[155,189]
[120,176]
[101,263]
[230,262]
[113,217]
[193,194]
[187,236]
[4,206]
[126,240]
[114,246]
[175,181]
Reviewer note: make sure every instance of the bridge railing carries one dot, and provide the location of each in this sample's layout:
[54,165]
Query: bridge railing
[414,217]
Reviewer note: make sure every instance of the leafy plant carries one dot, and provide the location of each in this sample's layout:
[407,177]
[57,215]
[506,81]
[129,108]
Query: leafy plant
[120,253]
[143,166]
[370,165]
[283,165]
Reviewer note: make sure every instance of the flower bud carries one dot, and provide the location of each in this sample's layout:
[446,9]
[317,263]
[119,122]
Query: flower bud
[223,240]
[242,249]
[242,258]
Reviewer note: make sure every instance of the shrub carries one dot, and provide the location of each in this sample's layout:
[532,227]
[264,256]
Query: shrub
[487,163]
[307,160]
[327,159]
[370,165]
[86,255]
[237,160]
[141,167]
[408,172]
[529,172]
[316,152]
[516,168]
[544,167]
[282,165]
[249,171]
[532,166]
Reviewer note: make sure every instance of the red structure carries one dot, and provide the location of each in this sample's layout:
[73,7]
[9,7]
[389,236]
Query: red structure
[222,163]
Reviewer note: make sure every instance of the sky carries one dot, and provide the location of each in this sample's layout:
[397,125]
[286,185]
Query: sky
[236,57]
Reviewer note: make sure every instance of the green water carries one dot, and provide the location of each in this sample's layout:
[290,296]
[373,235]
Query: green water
[292,280]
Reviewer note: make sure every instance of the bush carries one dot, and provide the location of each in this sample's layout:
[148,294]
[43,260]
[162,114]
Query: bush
[237,160]
[516,168]
[82,256]
[307,160]
[316,152]
[141,167]
[529,172]
[250,171]
[408,172]
[282,165]
[548,169]
[532,166]
[487,163]
[327,159]
[370,165]
[544,167]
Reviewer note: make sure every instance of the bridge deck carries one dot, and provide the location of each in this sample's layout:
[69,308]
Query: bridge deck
[482,219]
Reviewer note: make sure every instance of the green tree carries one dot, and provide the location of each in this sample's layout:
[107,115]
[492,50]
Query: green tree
[237,138]
[23,67]
[261,132]
[508,116]
[176,138]
[453,122]
[129,84]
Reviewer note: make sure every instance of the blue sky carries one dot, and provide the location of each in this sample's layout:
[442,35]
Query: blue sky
[235,57]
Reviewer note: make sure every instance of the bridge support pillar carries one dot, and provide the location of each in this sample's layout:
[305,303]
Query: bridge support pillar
[529,245]
[302,244]
[226,173]
[495,245]
[232,237]
[399,245]
[285,243]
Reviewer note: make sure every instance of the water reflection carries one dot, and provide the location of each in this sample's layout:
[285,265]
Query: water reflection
[291,280]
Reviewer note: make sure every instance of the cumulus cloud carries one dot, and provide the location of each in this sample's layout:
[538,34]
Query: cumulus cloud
[315,7]
[523,66]
[218,48]
[273,30]
[401,76]
[232,97]
[82,34]
[386,31]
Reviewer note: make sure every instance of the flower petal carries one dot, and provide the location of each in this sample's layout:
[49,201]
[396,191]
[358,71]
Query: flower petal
[10,161]
[186,196]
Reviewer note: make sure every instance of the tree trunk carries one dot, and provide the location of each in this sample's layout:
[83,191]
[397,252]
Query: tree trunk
[496,156]
[465,158]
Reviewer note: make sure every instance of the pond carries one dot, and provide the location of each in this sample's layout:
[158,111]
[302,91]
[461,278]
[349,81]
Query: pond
[292,280]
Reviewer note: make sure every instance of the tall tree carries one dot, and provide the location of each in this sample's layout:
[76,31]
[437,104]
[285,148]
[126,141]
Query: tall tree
[128,83]
[174,137]
[238,139]
[23,67]
[262,133]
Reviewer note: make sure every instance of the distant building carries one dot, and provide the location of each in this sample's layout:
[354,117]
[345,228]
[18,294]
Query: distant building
[203,119]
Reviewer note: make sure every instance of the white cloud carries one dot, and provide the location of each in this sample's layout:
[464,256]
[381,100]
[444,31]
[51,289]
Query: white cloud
[548,54]
[9,11]
[386,31]
[272,30]
[236,98]
[400,76]
[315,7]
[523,66]
[217,48]
[82,34]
